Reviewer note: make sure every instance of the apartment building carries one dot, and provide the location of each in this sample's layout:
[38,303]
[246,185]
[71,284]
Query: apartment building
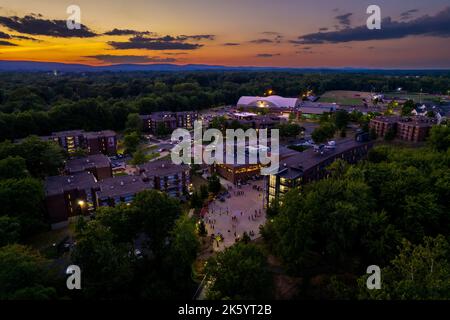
[69,196]
[384,124]
[113,191]
[166,176]
[310,165]
[101,142]
[414,129]
[94,142]
[168,120]
[99,165]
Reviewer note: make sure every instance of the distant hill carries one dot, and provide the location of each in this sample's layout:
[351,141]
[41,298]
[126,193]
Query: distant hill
[31,66]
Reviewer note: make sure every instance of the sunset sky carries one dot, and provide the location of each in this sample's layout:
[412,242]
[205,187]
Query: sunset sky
[287,33]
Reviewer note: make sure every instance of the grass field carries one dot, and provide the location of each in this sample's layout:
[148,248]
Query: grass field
[344,97]
[413,96]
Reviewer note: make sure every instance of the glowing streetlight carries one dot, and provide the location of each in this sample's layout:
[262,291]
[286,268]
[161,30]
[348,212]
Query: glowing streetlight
[81,203]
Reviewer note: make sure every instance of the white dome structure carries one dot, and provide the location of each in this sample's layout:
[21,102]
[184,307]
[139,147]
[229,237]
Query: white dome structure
[268,102]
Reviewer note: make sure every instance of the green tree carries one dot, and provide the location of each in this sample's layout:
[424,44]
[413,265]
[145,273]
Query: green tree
[214,185]
[196,201]
[24,274]
[341,119]
[157,213]
[13,167]
[324,132]
[239,272]
[182,251]
[23,199]
[204,193]
[43,158]
[418,272]
[139,157]
[289,129]
[439,138]
[134,123]
[106,264]
[9,230]
[408,107]
[131,142]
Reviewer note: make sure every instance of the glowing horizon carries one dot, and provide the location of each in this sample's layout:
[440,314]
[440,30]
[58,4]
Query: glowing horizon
[235,33]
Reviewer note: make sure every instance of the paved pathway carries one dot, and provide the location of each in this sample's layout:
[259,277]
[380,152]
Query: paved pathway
[236,215]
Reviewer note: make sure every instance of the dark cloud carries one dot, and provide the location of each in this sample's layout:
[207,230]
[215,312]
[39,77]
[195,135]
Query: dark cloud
[175,53]
[344,19]
[126,32]
[36,25]
[261,41]
[7,43]
[274,37]
[114,59]
[26,38]
[267,55]
[197,37]
[303,42]
[408,14]
[162,43]
[4,35]
[323,29]
[437,25]
[231,44]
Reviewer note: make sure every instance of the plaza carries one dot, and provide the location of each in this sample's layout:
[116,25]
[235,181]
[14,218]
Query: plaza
[242,212]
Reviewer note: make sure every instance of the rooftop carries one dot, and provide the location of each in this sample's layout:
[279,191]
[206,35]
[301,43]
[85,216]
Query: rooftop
[121,186]
[68,133]
[293,167]
[81,164]
[162,168]
[270,101]
[104,133]
[59,184]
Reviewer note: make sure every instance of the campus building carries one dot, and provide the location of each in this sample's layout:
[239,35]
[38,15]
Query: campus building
[310,165]
[271,103]
[94,142]
[101,142]
[168,120]
[237,173]
[69,196]
[164,175]
[309,109]
[114,191]
[99,165]
[414,129]
[68,140]
[252,120]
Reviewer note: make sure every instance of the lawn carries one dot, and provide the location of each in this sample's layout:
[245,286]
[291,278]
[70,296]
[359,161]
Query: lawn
[343,101]
[345,97]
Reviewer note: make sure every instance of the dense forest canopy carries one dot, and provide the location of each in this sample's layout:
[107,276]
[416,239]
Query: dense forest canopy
[39,103]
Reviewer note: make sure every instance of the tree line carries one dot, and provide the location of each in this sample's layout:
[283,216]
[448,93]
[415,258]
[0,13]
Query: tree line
[38,103]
